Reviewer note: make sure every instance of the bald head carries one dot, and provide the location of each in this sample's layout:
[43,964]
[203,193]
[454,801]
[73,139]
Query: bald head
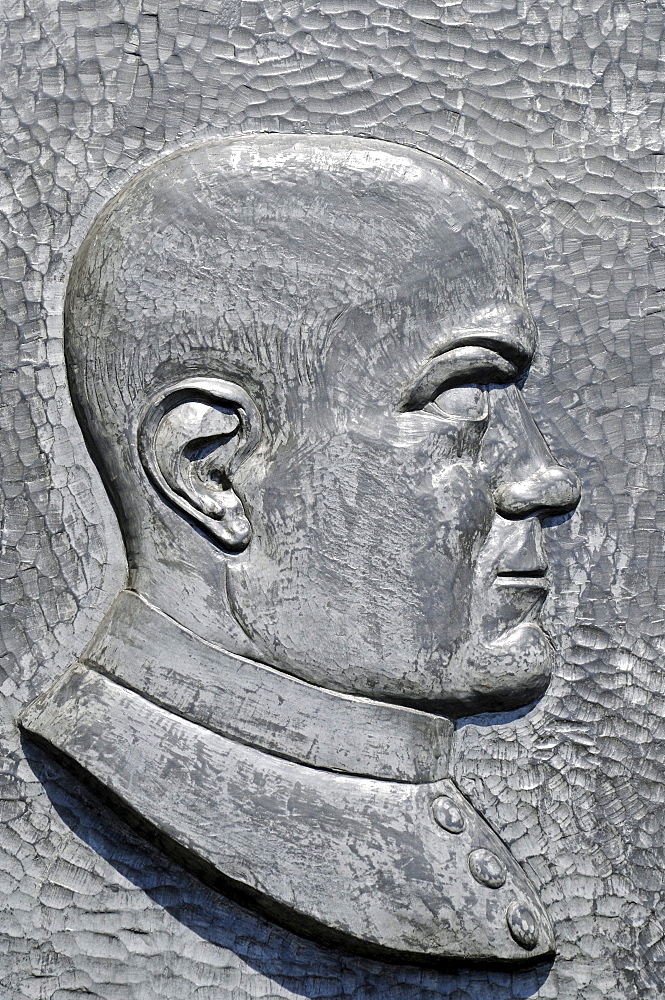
[242,258]
[281,264]
[279,348]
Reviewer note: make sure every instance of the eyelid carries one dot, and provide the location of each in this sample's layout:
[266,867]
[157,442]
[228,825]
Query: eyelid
[457,367]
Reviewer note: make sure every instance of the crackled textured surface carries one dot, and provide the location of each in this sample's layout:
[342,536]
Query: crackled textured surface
[557,108]
[273,345]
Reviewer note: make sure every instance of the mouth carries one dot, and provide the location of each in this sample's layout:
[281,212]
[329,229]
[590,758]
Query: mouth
[524,579]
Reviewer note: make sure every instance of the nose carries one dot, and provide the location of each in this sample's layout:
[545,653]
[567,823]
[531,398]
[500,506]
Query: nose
[549,491]
[527,480]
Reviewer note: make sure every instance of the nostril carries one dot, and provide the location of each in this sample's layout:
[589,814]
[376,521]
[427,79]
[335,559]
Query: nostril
[552,490]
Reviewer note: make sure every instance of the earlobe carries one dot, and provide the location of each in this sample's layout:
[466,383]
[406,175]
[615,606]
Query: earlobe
[191,439]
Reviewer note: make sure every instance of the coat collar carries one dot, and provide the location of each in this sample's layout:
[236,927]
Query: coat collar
[144,649]
[334,814]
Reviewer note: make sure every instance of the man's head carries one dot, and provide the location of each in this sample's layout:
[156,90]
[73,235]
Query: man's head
[296,362]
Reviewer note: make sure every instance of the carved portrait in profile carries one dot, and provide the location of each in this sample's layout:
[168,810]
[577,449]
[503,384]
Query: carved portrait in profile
[297,363]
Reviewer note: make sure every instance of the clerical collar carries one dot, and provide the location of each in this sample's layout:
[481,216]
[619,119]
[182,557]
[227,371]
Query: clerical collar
[333,814]
[144,649]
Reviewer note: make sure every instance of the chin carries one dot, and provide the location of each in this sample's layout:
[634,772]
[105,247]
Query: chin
[496,675]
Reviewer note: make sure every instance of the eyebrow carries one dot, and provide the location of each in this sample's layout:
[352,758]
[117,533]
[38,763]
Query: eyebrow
[509,331]
[495,345]
[458,364]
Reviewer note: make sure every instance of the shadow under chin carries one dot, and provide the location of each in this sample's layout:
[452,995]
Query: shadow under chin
[501,718]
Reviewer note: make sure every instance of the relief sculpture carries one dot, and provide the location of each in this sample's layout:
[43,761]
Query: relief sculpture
[297,363]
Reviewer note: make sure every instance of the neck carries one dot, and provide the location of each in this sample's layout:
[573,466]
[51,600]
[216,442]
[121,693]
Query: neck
[144,649]
[163,578]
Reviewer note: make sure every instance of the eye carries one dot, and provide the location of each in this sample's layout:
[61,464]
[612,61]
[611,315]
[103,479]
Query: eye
[460,368]
[462,402]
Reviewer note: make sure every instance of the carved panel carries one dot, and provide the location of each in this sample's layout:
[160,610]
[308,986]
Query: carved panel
[353,307]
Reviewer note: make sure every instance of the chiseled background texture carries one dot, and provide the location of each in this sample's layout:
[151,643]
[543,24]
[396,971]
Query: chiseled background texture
[557,106]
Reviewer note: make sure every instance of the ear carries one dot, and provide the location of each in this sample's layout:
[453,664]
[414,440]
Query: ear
[191,439]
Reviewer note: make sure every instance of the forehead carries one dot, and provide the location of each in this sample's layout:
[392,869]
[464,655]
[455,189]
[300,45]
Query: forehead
[504,326]
[465,284]
[478,299]
[250,256]
[354,209]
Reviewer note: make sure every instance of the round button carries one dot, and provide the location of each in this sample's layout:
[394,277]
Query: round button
[487,869]
[448,814]
[522,925]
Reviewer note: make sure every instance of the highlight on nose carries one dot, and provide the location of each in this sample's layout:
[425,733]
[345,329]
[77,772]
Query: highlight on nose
[551,490]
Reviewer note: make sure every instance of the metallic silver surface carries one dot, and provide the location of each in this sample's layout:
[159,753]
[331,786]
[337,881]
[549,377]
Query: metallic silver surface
[296,362]
[557,110]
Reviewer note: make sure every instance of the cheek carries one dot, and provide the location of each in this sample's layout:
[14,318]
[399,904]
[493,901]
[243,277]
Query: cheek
[366,552]
[367,516]
[422,484]
[466,510]
[376,512]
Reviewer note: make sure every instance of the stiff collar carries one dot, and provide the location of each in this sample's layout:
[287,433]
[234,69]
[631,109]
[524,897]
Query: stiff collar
[144,649]
[322,811]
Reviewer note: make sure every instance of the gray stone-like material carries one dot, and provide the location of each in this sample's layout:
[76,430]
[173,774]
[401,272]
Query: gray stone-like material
[297,361]
[374,865]
[557,108]
[145,650]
